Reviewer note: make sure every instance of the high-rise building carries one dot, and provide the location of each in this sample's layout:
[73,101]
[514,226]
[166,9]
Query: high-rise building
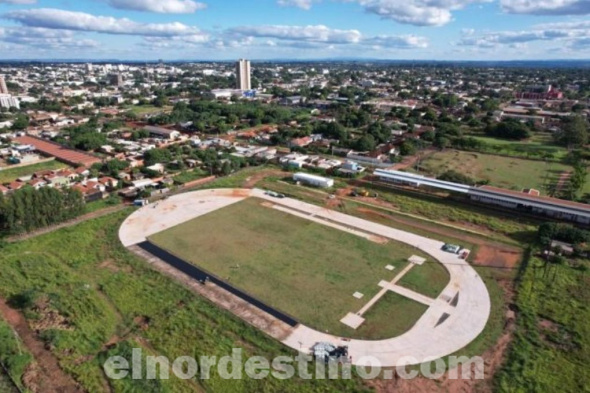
[3,88]
[243,75]
[116,79]
[89,68]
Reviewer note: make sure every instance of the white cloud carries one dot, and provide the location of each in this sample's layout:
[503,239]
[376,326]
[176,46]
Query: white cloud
[416,12]
[317,33]
[546,7]
[303,4]
[40,38]
[68,20]
[565,33]
[322,37]
[159,6]
[18,1]
[399,42]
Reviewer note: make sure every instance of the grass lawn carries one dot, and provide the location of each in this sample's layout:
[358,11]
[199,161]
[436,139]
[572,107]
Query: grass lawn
[395,313]
[505,172]
[110,296]
[303,268]
[10,174]
[429,279]
[141,110]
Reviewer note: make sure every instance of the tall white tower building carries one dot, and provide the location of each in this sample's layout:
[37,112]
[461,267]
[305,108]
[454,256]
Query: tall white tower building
[243,75]
[3,88]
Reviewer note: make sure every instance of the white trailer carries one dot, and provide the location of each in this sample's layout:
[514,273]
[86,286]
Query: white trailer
[313,180]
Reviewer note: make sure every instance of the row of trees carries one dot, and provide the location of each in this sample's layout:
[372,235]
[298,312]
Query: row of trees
[28,209]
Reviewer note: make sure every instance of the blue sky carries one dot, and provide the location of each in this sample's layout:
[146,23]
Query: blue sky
[300,29]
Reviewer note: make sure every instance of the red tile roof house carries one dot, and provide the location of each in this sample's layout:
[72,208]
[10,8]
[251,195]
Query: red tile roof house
[94,185]
[300,142]
[37,183]
[3,190]
[82,171]
[16,185]
[109,182]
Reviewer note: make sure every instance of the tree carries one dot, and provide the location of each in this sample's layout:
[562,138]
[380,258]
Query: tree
[442,142]
[155,156]
[577,179]
[574,133]
[407,148]
[365,143]
[508,129]
[21,122]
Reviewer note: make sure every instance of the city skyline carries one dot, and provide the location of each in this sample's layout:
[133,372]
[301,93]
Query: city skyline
[295,29]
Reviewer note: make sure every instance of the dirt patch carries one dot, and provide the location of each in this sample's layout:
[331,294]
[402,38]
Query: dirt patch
[111,266]
[378,239]
[253,180]
[238,193]
[142,322]
[46,375]
[548,325]
[496,257]
[49,318]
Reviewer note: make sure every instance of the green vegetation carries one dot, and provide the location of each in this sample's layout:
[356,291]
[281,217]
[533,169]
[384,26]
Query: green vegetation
[510,173]
[13,356]
[551,348]
[508,129]
[539,146]
[395,313]
[27,209]
[303,268]
[108,295]
[142,110]
[189,175]
[428,279]
[112,200]
[10,174]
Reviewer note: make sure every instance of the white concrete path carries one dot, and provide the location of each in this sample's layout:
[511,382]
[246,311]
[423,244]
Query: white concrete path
[427,340]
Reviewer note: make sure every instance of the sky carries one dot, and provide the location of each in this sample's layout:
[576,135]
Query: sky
[295,29]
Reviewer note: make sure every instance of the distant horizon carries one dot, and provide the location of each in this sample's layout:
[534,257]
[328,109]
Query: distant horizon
[286,60]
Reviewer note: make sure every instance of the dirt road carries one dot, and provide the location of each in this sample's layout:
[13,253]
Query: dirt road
[47,375]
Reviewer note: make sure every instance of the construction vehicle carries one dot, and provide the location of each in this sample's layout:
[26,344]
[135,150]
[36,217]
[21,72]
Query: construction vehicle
[362,193]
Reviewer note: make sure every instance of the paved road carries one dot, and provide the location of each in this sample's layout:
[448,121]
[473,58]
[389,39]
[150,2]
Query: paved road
[442,330]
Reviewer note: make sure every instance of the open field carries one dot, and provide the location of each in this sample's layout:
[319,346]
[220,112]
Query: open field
[11,174]
[303,268]
[551,349]
[538,146]
[510,173]
[112,300]
[141,110]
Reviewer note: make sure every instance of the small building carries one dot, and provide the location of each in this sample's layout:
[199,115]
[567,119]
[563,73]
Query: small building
[163,133]
[313,180]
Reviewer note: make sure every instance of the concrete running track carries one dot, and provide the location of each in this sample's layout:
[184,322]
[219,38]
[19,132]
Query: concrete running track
[454,319]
